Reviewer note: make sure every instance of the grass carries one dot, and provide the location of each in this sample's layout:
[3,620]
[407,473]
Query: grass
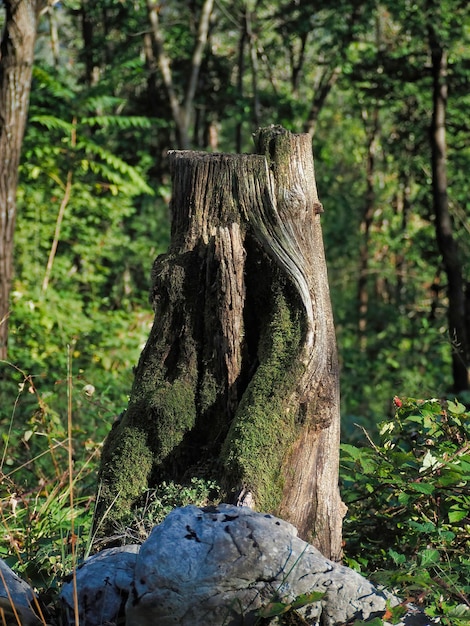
[47,471]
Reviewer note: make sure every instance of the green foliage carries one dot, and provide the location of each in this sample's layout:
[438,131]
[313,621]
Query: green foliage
[94,298]
[155,505]
[100,118]
[113,100]
[408,525]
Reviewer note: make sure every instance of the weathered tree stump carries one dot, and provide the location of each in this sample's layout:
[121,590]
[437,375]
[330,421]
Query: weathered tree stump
[239,377]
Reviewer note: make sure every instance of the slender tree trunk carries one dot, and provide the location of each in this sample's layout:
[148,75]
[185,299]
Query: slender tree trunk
[402,209]
[457,319]
[330,75]
[181,109]
[88,36]
[240,76]
[16,63]
[239,377]
[297,62]
[366,223]
[325,85]
[256,111]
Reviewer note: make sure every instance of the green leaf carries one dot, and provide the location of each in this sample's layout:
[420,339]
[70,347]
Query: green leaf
[456,407]
[456,514]
[426,488]
[368,465]
[350,450]
[429,557]
[273,608]
[397,558]
[119,121]
[52,123]
[307,598]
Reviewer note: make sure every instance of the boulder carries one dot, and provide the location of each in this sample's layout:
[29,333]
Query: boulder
[17,599]
[103,584]
[221,565]
[212,566]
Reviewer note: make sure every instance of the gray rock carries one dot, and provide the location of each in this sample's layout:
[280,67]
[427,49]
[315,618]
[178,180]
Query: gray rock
[220,565]
[15,591]
[103,584]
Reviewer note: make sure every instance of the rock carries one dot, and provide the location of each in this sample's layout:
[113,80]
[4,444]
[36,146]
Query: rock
[16,592]
[220,565]
[103,584]
[215,566]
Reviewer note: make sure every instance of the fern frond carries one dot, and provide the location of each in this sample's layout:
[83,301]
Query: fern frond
[51,84]
[133,64]
[102,102]
[52,123]
[119,121]
[139,185]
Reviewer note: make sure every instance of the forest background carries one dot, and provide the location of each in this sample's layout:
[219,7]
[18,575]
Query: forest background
[116,84]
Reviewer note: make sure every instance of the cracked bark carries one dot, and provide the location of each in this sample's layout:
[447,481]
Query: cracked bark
[239,378]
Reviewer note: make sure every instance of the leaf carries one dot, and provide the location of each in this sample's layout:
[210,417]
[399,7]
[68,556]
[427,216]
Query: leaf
[52,123]
[426,488]
[456,514]
[273,608]
[119,121]
[307,598]
[456,407]
[368,465]
[118,165]
[279,608]
[397,558]
[352,451]
[53,86]
[461,610]
[429,557]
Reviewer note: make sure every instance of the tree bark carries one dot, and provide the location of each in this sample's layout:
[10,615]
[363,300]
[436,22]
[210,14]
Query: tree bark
[239,377]
[16,63]
[457,319]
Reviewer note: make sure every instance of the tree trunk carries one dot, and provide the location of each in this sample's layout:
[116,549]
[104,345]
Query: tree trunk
[182,112]
[16,62]
[239,377]
[366,223]
[457,319]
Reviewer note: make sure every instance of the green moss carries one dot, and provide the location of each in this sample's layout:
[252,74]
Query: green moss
[209,391]
[265,426]
[158,417]
[173,410]
[126,467]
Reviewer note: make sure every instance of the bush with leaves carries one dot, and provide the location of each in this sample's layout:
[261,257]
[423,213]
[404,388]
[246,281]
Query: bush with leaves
[408,525]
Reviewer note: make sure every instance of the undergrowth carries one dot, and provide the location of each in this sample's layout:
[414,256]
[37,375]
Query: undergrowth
[408,495]
[47,470]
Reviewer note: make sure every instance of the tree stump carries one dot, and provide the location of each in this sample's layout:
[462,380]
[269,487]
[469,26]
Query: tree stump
[239,377]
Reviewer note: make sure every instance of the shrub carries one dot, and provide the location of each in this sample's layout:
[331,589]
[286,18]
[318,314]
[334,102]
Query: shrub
[408,495]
